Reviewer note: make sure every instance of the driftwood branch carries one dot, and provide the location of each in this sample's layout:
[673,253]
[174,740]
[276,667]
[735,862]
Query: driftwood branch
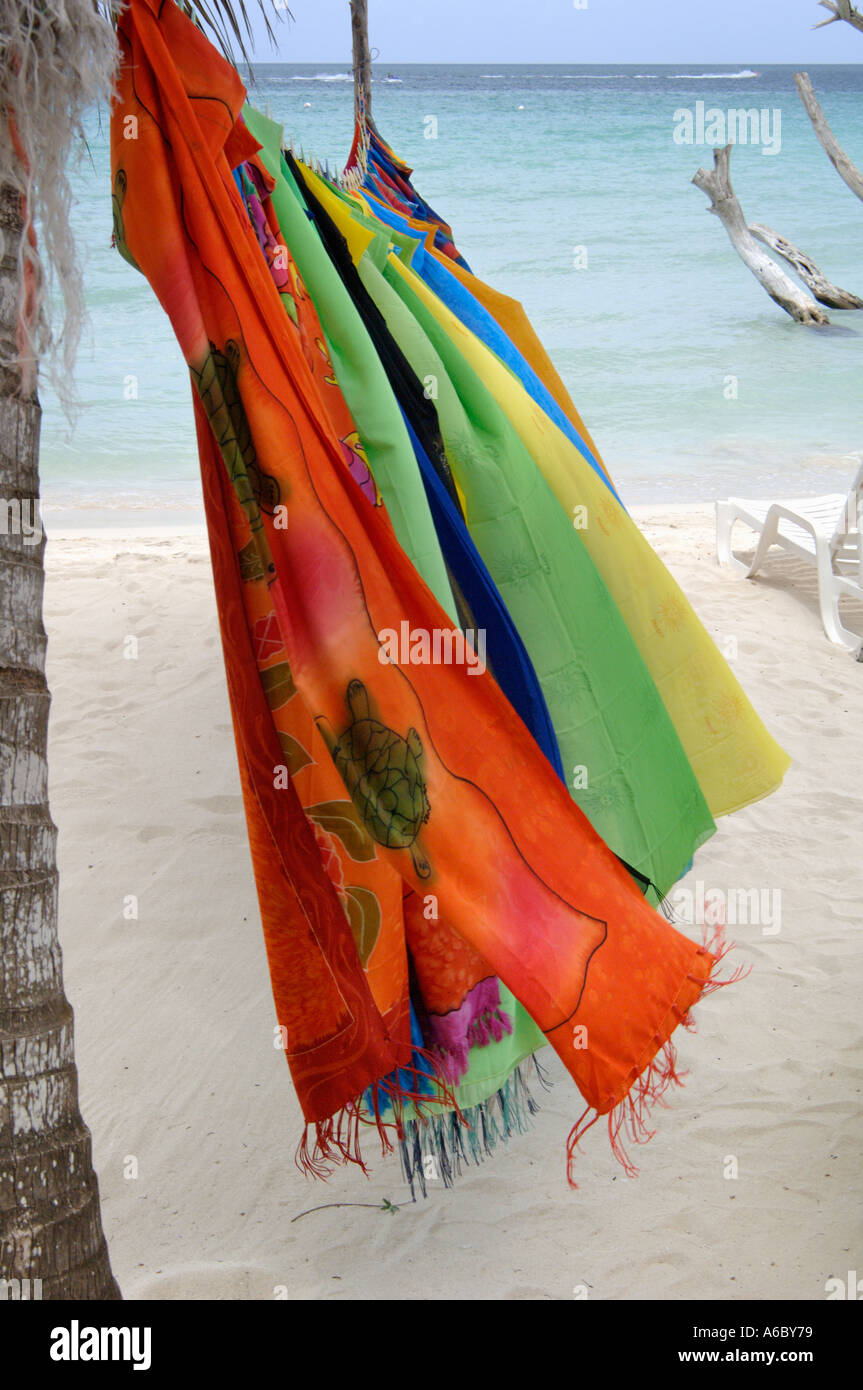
[805,269]
[362,56]
[834,151]
[840,9]
[717,185]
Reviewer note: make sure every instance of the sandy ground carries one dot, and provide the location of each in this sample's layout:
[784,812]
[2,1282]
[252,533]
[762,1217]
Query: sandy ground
[194,1119]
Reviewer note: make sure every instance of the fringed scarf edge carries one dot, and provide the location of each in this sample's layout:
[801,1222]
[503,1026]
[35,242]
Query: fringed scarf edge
[631,1116]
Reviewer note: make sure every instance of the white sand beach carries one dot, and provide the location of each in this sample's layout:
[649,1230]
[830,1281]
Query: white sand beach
[193,1116]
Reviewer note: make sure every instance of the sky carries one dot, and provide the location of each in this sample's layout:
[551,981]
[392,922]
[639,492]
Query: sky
[565,31]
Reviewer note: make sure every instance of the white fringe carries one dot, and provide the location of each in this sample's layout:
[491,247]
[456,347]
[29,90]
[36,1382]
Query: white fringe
[57,58]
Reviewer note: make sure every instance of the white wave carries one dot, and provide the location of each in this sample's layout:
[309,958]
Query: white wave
[487,76]
[645,77]
[712,76]
[323,77]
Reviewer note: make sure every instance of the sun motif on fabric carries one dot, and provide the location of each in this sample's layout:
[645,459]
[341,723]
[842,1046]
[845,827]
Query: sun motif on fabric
[609,515]
[670,615]
[726,710]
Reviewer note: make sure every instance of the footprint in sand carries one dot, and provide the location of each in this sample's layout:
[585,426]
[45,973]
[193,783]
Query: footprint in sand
[156,832]
[219,805]
[223,1282]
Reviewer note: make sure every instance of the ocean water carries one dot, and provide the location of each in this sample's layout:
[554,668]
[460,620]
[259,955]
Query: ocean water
[565,188]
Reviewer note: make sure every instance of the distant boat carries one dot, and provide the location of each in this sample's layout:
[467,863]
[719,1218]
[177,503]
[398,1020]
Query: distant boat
[712,76]
[391,77]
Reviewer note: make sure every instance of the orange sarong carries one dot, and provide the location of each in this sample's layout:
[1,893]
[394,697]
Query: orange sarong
[373,787]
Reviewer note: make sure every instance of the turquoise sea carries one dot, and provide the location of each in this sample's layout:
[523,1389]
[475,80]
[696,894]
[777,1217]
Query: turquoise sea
[565,188]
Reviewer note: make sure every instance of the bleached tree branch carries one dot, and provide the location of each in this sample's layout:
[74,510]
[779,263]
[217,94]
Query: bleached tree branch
[716,183]
[834,151]
[840,9]
[805,269]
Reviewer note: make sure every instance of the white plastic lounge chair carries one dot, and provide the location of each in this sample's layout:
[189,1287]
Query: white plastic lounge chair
[821,530]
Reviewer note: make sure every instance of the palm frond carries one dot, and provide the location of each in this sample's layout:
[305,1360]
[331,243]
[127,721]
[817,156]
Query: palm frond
[229,24]
[226,21]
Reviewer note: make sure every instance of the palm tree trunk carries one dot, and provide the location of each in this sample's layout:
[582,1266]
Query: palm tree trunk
[50,1220]
[362,56]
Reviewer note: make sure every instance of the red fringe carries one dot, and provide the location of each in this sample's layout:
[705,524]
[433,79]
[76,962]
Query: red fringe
[576,1134]
[631,1115]
[717,946]
[337,1139]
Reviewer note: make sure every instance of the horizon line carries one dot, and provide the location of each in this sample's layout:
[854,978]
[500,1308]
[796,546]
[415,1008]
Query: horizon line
[542,63]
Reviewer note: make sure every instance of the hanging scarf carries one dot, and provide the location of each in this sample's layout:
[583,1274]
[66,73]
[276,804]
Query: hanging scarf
[476,1031]
[455,806]
[733,756]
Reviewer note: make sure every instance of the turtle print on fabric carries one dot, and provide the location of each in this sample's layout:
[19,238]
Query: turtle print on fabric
[216,381]
[119,234]
[383,774]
